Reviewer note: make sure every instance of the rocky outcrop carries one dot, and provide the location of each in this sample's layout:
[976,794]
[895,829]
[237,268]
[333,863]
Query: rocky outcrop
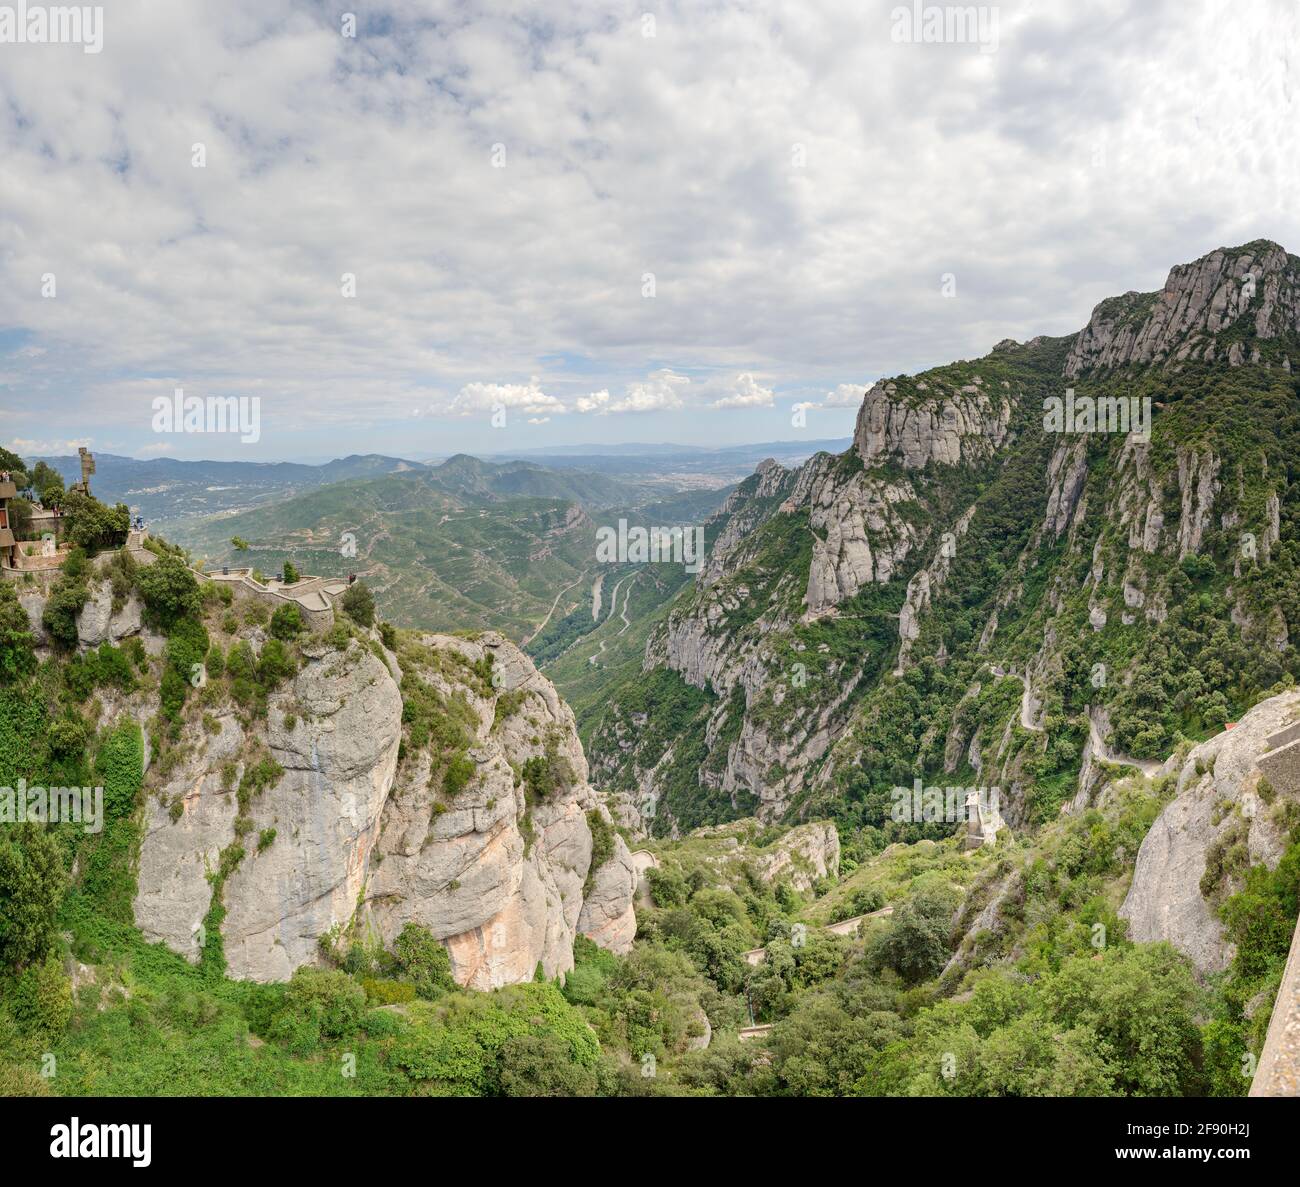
[348,842]
[1259,282]
[1198,485]
[859,535]
[1219,805]
[944,426]
[804,855]
[924,584]
[608,917]
[98,622]
[745,510]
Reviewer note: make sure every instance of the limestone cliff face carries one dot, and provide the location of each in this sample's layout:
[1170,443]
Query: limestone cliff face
[860,535]
[364,843]
[1232,794]
[497,877]
[1007,549]
[939,424]
[1258,282]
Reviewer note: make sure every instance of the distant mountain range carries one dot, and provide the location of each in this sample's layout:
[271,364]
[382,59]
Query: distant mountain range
[165,489]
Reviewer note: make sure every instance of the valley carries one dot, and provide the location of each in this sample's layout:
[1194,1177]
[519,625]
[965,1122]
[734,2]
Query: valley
[500,818]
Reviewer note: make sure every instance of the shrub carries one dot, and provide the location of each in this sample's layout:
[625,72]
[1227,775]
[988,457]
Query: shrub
[424,961]
[172,694]
[387,993]
[667,886]
[274,664]
[460,770]
[359,604]
[41,998]
[543,1065]
[318,1003]
[602,843]
[290,574]
[17,658]
[61,609]
[287,623]
[187,647]
[32,882]
[170,590]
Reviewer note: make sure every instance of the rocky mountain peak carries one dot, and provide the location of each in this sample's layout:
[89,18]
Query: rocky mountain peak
[1227,303]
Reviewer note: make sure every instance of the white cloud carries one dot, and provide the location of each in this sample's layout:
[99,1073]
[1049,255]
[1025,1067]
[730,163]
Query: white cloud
[659,392]
[479,398]
[846,395]
[798,209]
[744,391]
[45,448]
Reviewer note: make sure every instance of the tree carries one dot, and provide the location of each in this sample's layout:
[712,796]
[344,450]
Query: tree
[32,881]
[239,544]
[287,623]
[915,944]
[543,1065]
[20,517]
[290,573]
[169,589]
[15,467]
[93,525]
[47,482]
[17,658]
[424,961]
[359,604]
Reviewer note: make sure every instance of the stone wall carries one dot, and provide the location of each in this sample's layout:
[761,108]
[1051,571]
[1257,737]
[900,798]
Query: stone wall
[309,595]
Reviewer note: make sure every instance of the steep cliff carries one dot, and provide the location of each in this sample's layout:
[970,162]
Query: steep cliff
[446,787]
[1101,527]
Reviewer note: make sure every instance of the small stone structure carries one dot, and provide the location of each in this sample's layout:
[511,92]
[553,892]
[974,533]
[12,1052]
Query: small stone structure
[314,596]
[983,820]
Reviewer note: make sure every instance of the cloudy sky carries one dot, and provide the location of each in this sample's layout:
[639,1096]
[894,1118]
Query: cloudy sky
[617,222]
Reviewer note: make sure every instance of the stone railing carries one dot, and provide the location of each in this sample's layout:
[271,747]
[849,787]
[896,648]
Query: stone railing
[314,596]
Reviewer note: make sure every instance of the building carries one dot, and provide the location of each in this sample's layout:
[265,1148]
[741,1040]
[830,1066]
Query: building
[8,544]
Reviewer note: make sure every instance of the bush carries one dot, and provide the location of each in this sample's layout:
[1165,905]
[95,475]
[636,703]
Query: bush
[387,993]
[274,664]
[602,842]
[41,998]
[543,1065]
[667,886]
[359,604]
[318,1003]
[290,574]
[460,770]
[187,647]
[17,658]
[424,961]
[32,882]
[170,590]
[287,623]
[172,694]
[61,609]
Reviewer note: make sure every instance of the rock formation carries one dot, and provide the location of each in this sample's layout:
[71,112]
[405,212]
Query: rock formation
[363,843]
